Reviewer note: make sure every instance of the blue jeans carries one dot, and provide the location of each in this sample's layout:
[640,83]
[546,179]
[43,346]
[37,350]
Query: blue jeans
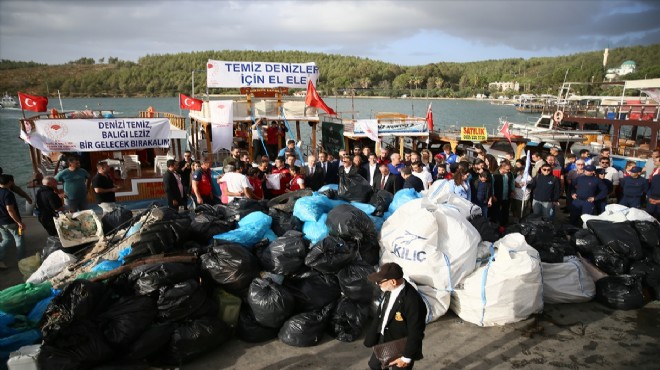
[8,232]
[545,209]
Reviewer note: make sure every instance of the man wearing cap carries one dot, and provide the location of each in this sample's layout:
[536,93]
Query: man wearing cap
[401,314]
[633,188]
[587,191]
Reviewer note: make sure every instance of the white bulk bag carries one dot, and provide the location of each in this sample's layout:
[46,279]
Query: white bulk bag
[506,289]
[567,282]
[439,194]
[52,265]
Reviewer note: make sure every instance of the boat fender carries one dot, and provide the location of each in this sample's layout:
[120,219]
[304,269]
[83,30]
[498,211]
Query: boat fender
[559,115]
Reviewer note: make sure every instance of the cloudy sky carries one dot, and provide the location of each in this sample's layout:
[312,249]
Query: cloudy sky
[402,32]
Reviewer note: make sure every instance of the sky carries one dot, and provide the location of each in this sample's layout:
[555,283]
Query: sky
[401,32]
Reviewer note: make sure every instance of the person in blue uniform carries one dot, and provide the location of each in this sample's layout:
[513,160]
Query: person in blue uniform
[633,188]
[600,205]
[587,191]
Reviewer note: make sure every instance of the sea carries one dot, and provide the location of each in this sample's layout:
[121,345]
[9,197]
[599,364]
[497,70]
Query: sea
[447,113]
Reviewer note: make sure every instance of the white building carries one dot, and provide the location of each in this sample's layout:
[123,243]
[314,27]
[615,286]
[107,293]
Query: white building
[504,86]
[626,67]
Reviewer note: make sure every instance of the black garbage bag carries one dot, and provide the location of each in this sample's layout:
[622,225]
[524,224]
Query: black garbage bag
[304,329]
[79,300]
[205,226]
[86,348]
[568,230]
[241,207]
[619,236]
[381,200]
[249,330]
[53,244]
[206,209]
[152,340]
[487,230]
[286,254]
[330,193]
[194,337]
[622,292]
[348,320]
[231,266]
[585,242]
[270,302]
[147,279]
[124,321]
[314,292]
[154,238]
[611,262]
[649,234]
[550,252]
[652,280]
[331,255]
[283,222]
[534,230]
[354,284]
[349,223]
[184,300]
[286,201]
[119,217]
[369,251]
[355,188]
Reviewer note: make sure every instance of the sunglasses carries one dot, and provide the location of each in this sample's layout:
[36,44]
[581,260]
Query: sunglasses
[379,283]
[545,169]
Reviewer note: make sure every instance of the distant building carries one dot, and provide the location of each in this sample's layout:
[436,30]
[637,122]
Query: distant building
[504,86]
[626,67]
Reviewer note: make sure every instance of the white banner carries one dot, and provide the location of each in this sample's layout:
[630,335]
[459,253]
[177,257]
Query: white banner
[260,74]
[222,124]
[97,134]
[369,127]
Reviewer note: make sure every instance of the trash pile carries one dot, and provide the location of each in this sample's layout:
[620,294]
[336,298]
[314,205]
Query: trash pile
[163,287]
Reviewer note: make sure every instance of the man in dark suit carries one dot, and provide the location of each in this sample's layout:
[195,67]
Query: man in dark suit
[313,174]
[410,181]
[384,180]
[370,169]
[401,314]
[173,186]
[329,169]
[346,170]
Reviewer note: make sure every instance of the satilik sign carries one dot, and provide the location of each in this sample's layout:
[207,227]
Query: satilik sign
[473,133]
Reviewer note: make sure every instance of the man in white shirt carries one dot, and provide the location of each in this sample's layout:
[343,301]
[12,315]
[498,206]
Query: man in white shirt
[610,172]
[420,171]
[238,185]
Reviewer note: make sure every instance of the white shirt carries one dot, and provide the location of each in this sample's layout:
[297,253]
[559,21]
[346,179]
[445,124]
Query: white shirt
[393,296]
[425,176]
[372,171]
[612,174]
[236,183]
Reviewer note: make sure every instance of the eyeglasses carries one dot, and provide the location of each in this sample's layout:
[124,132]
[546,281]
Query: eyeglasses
[545,169]
[579,164]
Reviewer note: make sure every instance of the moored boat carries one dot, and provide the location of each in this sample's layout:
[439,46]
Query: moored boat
[8,101]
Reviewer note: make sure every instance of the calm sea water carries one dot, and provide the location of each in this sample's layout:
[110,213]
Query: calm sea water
[14,157]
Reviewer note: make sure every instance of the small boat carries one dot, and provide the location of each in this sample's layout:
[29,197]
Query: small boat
[8,101]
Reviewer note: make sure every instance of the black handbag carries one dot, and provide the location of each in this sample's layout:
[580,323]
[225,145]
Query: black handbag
[389,351]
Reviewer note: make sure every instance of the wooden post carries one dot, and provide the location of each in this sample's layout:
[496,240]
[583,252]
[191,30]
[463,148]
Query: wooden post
[314,138]
[209,149]
[401,143]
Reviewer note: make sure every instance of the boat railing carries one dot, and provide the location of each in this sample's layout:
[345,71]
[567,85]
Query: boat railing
[176,120]
[643,112]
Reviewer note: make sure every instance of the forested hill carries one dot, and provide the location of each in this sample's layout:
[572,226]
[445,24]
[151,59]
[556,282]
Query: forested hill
[170,74]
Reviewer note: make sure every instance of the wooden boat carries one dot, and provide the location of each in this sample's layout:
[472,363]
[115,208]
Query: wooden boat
[126,143]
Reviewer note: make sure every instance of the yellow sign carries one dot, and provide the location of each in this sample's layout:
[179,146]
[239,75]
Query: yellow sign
[474,133]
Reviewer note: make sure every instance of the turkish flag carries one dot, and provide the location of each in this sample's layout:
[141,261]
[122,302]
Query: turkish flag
[314,100]
[186,102]
[33,102]
[505,131]
[429,118]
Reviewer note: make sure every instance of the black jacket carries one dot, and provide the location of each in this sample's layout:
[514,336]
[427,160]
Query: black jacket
[407,319]
[48,202]
[498,185]
[313,181]
[393,183]
[172,189]
[546,188]
[414,182]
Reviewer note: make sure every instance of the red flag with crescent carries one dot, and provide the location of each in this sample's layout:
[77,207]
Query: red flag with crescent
[314,100]
[33,102]
[186,102]
[505,131]
[429,117]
